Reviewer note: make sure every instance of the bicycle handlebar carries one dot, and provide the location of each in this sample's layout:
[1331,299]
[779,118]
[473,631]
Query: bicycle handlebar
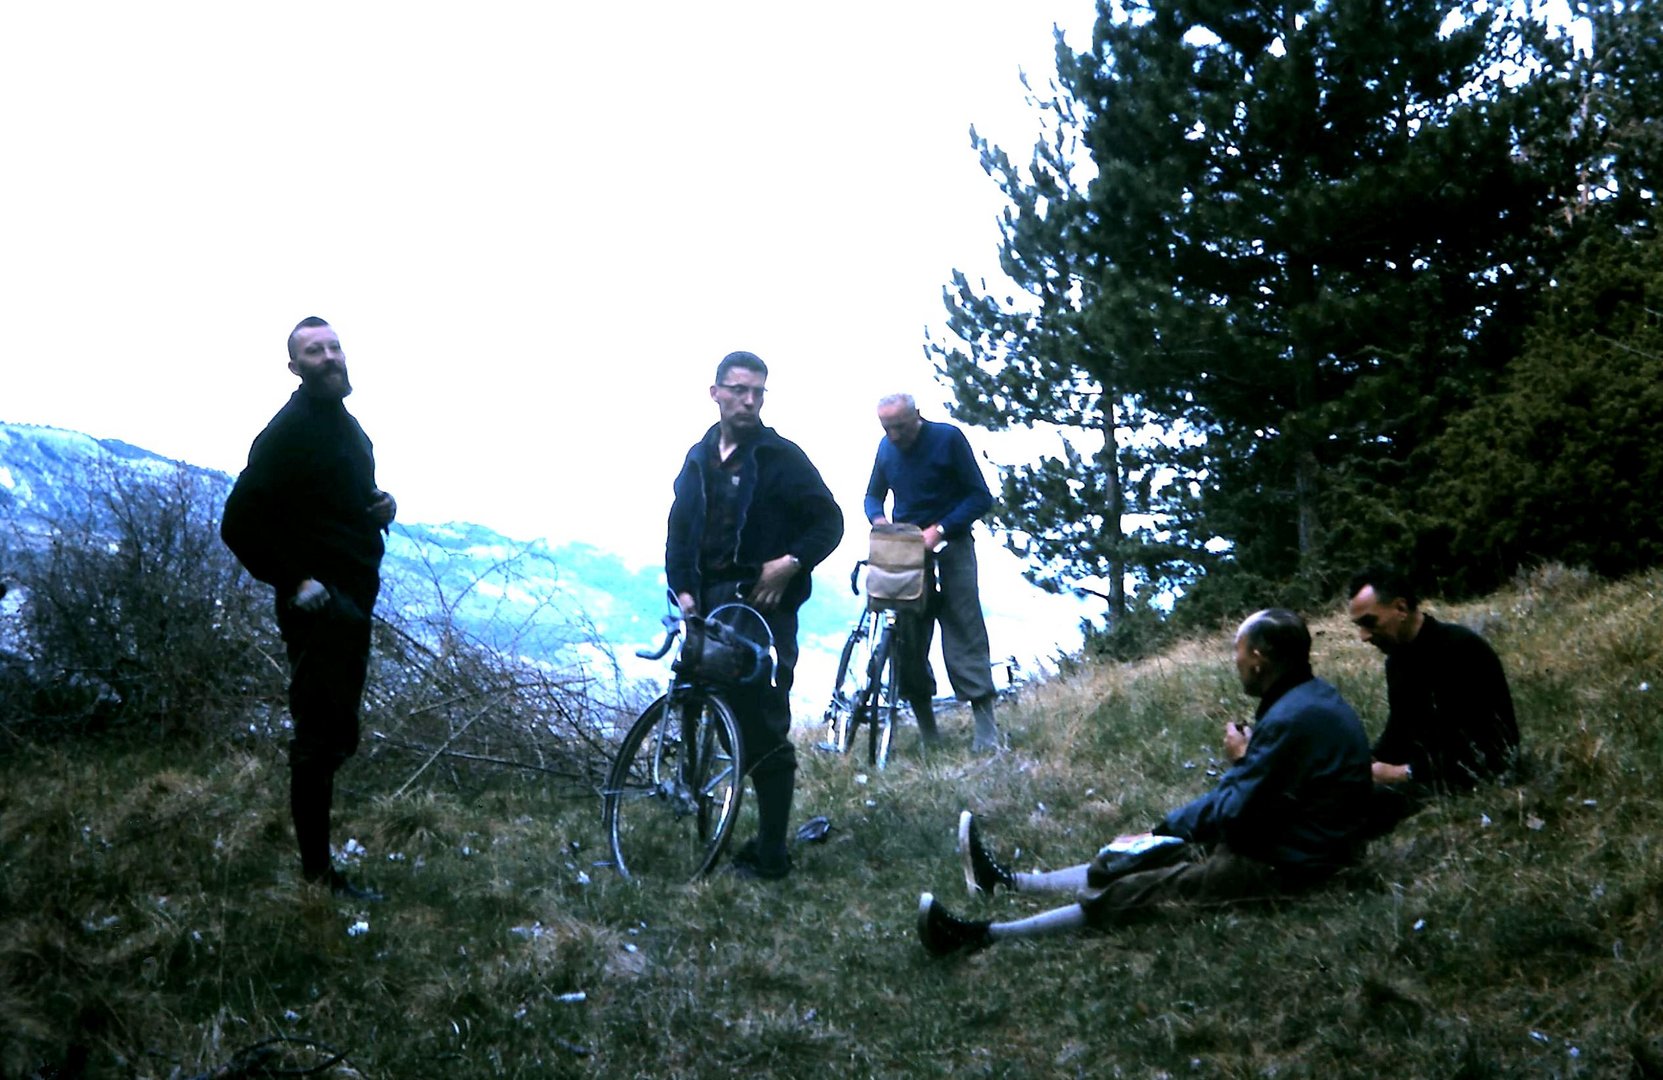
[710,635]
[671,621]
[672,631]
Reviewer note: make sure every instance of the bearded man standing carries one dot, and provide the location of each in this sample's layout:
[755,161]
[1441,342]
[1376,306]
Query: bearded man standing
[306,518]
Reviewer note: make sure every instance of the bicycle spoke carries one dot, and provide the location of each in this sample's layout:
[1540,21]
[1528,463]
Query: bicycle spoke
[674,790]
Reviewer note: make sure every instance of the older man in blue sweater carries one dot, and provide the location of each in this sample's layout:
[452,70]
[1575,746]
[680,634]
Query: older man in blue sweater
[937,486]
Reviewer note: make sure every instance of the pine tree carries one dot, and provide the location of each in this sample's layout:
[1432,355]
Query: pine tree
[1307,242]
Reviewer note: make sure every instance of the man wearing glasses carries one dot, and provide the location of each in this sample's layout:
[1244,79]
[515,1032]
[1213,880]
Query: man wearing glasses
[750,520]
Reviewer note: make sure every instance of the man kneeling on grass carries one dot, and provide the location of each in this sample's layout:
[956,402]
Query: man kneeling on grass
[1291,809]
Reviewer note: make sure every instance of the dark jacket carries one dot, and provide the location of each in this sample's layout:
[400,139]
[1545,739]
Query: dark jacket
[1299,798]
[786,510]
[1451,714]
[301,509]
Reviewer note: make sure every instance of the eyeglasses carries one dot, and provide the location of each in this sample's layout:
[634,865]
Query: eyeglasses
[740,390]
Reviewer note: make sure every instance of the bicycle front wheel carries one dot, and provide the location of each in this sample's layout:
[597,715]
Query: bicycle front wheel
[883,699]
[842,713]
[674,790]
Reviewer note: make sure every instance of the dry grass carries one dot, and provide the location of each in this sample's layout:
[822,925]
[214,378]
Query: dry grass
[151,923]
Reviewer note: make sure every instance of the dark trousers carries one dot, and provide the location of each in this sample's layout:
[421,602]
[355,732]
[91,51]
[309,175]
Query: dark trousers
[764,716]
[329,653]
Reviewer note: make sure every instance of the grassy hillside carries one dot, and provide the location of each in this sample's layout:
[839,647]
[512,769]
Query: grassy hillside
[152,923]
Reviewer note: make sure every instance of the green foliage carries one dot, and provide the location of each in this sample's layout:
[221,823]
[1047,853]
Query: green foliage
[1563,462]
[152,923]
[1041,361]
[1616,128]
[1306,238]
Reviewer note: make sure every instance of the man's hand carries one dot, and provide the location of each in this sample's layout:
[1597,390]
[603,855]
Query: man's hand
[1236,738]
[311,596]
[932,537]
[383,509]
[689,606]
[880,520]
[769,589]
[1389,774]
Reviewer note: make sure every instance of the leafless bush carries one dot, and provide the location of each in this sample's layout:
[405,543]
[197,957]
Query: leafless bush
[130,611]
[463,712]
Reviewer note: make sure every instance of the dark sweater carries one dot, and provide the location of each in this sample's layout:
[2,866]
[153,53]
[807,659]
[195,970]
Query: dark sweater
[1451,714]
[301,509]
[783,508]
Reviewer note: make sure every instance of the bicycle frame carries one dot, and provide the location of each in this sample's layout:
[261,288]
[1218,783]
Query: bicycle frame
[674,789]
[865,690]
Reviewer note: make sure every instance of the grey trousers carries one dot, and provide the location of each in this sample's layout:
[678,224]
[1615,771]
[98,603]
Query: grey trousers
[1222,877]
[957,606]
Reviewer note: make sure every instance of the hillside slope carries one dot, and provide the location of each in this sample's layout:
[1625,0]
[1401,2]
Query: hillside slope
[154,926]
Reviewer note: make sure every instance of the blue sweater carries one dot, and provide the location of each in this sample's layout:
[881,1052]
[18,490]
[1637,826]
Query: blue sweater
[1299,798]
[936,481]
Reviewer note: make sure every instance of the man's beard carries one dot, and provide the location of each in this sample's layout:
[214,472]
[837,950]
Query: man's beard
[331,382]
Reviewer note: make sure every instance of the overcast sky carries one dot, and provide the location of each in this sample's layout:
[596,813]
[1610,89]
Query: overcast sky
[536,227]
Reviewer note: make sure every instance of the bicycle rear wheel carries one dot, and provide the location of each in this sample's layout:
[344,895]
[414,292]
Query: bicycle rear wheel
[882,700]
[842,715]
[674,790]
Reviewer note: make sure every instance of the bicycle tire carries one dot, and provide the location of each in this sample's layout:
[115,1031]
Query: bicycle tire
[881,701]
[674,790]
[842,712]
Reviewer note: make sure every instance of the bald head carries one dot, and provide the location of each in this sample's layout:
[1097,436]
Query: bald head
[1269,644]
[898,413]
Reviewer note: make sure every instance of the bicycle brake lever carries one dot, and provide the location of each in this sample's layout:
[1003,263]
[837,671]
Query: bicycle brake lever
[674,626]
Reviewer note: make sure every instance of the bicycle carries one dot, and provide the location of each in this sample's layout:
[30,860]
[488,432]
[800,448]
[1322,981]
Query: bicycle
[866,690]
[674,790]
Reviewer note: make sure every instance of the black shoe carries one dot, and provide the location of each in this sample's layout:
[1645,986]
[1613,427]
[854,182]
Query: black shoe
[339,886]
[943,934]
[744,855]
[982,871]
[748,862]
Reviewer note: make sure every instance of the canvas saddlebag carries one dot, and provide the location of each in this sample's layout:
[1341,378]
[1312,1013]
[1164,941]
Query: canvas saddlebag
[896,571]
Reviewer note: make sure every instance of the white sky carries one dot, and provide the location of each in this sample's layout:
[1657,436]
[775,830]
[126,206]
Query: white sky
[536,227]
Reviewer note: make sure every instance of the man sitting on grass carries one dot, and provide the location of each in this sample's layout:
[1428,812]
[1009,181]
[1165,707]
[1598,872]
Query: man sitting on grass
[1290,810]
[1450,722]
[1449,713]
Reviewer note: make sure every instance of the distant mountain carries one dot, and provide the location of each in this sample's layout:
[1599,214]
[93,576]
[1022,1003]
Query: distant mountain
[573,605]
[566,604]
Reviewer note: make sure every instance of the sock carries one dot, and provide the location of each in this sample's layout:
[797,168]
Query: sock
[1056,921]
[1069,879]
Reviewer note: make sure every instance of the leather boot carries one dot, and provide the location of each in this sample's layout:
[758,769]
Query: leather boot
[924,711]
[986,740]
